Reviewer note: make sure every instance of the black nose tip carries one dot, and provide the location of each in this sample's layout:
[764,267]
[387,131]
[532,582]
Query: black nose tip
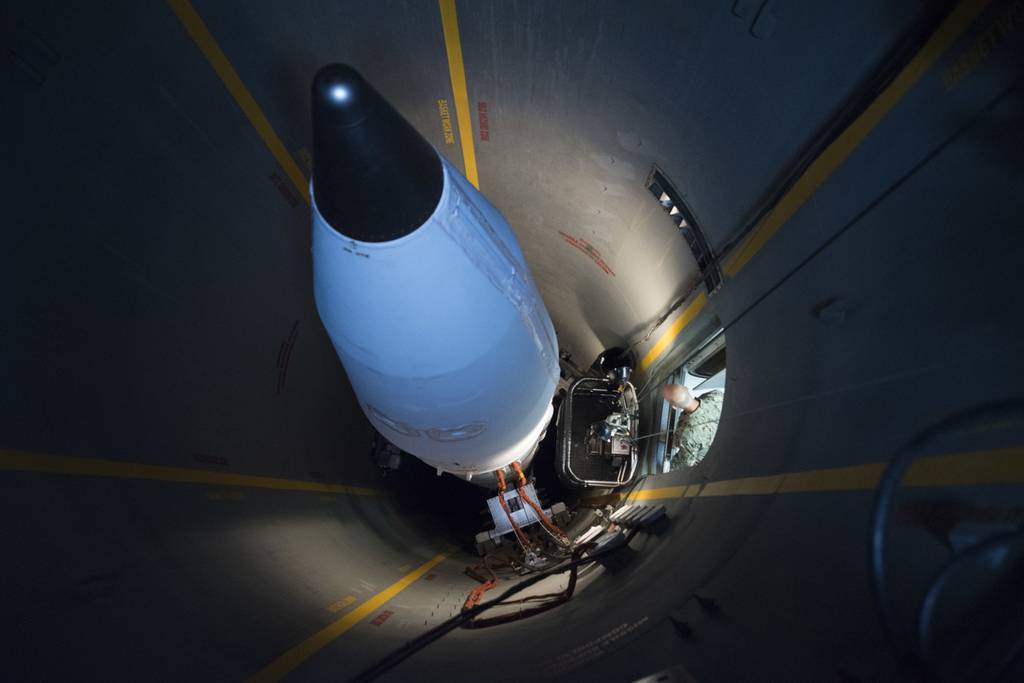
[340,93]
[375,178]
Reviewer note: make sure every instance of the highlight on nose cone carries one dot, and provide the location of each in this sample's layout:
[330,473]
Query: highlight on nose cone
[375,178]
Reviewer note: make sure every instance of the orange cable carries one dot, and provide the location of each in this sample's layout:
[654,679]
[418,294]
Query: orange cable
[504,506]
[477,593]
[536,508]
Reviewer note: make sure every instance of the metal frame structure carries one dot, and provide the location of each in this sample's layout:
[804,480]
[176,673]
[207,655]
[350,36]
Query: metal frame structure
[596,386]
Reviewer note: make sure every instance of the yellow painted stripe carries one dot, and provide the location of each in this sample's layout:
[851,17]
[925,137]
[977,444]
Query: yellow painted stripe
[23,461]
[980,467]
[747,486]
[854,478]
[457,71]
[196,28]
[1002,466]
[669,336]
[291,659]
[836,153]
[654,494]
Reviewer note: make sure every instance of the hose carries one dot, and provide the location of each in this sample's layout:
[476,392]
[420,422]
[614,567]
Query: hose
[523,540]
[399,655]
[536,508]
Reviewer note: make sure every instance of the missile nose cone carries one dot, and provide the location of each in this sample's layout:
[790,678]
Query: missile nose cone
[375,178]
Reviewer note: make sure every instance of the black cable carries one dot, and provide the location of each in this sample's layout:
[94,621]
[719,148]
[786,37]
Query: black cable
[901,643]
[396,657]
[550,601]
[856,104]
[898,57]
[843,229]
[906,646]
[979,671]
[870,206]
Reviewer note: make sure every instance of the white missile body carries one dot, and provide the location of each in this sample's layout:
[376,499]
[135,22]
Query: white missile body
[442,332]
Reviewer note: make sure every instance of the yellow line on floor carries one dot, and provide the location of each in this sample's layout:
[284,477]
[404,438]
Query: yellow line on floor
[196,28]
[669,336]
[1002,466]
[658,493]
[836,153]
[457,71]
[958,21]
[291,659]
[23,461]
